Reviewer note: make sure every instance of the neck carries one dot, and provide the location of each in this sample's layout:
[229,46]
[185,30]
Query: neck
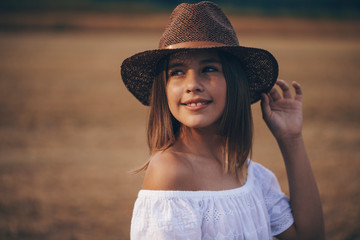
[204,142]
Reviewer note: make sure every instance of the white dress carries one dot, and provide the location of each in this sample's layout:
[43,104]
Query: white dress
[257,210]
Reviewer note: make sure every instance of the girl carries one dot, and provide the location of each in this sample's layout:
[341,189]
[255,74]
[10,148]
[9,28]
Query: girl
[199,182]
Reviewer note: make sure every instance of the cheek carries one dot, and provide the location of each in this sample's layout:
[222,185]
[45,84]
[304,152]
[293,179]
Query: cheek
[221,92]
[174,89]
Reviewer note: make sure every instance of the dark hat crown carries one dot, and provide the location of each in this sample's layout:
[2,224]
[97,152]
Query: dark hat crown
[203,21]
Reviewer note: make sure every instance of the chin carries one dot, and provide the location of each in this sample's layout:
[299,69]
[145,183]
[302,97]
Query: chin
[199,125]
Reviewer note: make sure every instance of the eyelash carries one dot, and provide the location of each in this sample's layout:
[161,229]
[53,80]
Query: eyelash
[213,69]
[205,69]
[174,73]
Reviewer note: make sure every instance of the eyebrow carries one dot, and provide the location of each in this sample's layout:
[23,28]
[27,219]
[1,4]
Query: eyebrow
[176,64]
[204,61]
[210,60]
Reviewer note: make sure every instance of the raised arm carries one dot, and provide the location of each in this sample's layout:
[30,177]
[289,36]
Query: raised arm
[283,115]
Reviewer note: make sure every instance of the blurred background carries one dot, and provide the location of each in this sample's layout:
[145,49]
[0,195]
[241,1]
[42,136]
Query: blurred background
[70,132]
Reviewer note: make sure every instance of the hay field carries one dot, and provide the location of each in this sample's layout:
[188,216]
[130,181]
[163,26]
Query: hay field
[70,131]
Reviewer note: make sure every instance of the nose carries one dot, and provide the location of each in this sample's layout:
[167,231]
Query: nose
[193,82]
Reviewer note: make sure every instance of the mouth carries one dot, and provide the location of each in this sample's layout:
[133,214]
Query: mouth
[196,103]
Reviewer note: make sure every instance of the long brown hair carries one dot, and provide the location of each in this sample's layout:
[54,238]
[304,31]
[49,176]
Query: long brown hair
[235,124]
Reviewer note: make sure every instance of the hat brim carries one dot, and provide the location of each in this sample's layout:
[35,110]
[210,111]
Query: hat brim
[261,68]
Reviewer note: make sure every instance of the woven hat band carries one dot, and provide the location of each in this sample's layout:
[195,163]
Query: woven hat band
[198,44]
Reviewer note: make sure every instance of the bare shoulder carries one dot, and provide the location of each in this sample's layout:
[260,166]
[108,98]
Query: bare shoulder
[168,171]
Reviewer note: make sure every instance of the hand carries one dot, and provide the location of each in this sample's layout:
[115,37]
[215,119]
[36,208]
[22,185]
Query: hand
[283,115]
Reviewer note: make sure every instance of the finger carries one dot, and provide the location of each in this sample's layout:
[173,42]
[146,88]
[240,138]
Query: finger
[274,94]
[298,91]
[269,97]
[284,87]
[265,105]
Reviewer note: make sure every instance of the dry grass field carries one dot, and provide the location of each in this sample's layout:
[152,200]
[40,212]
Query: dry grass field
[70,131]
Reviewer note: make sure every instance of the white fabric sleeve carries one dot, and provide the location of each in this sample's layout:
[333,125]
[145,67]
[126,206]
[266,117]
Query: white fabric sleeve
[158,218]
[277,203]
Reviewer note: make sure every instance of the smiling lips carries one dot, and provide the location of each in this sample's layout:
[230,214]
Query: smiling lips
[196,104]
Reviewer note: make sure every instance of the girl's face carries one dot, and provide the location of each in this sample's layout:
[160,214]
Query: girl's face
[196,88]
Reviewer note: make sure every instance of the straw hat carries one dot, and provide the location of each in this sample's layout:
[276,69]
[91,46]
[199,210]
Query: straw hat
[199,26]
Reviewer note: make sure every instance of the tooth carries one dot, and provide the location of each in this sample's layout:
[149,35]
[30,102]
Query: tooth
[192,104]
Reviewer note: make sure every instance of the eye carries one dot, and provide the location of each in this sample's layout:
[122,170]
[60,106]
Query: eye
[210,69]
[173,73]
